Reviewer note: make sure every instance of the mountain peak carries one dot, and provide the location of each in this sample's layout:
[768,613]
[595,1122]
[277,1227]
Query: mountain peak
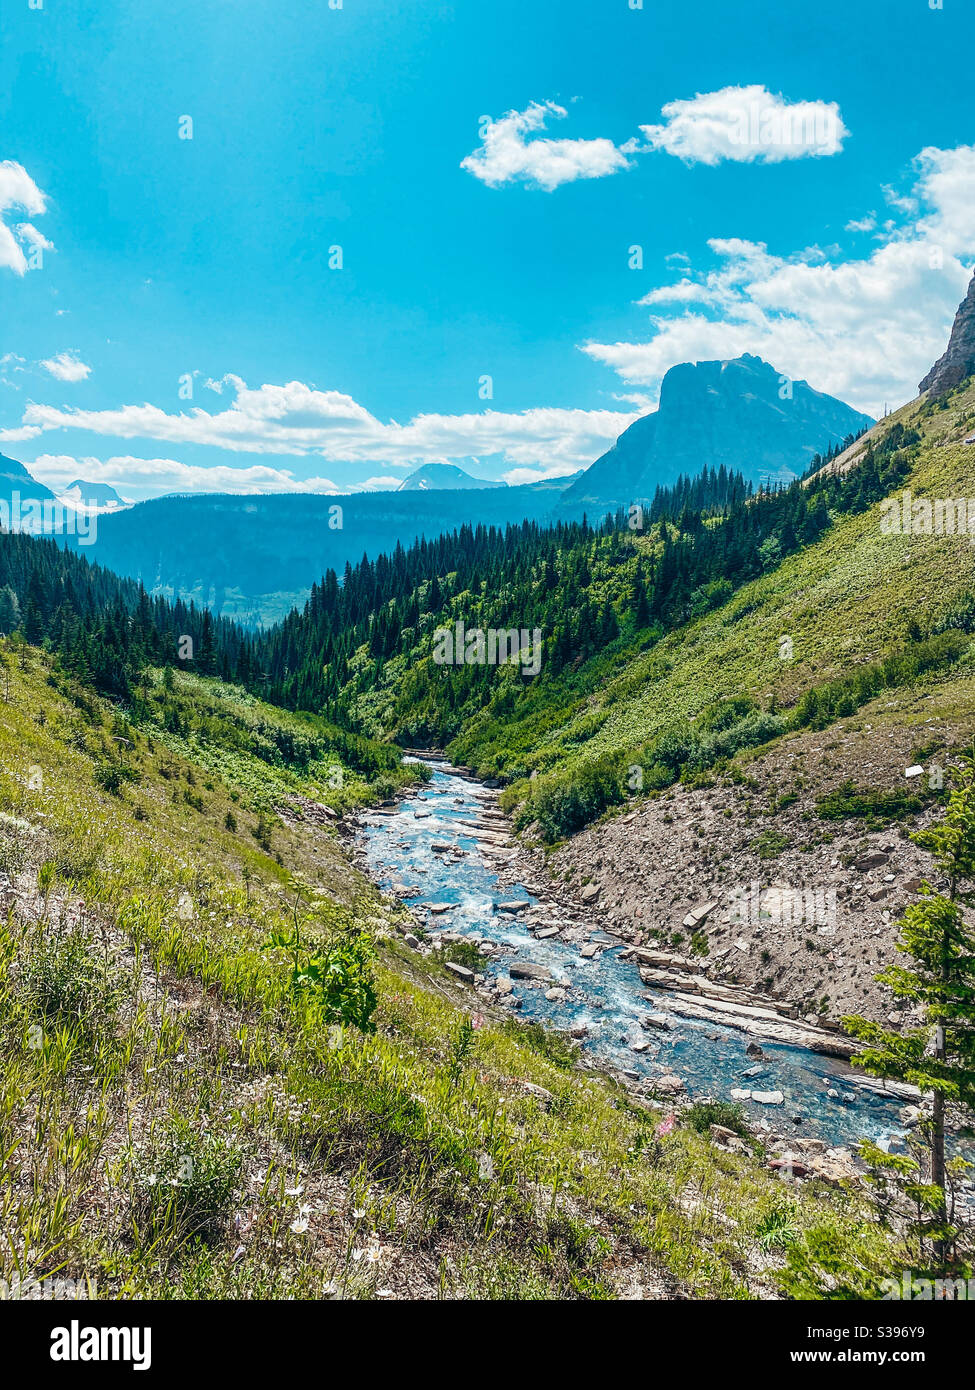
[741,413]
[93,496]
[439,477]
[958,361]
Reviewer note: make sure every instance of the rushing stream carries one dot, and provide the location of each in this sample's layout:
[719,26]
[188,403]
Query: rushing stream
[603,993]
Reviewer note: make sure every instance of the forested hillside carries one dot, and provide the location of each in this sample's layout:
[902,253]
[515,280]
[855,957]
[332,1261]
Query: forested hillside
[608,601]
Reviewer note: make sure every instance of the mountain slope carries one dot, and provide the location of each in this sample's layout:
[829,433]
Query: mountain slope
[14,478]
[739,414]
[254,558]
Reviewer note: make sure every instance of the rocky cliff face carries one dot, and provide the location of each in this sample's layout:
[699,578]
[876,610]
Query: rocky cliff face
[958,361]
[741,413]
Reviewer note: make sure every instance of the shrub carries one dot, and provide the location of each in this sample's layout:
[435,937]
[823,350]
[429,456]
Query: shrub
[337,980]
[704,1113]
[877,808]
[111,774]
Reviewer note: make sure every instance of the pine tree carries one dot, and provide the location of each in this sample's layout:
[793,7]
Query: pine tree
[938,1057]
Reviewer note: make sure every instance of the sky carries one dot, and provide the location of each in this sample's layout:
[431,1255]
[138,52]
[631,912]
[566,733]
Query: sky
[250,246]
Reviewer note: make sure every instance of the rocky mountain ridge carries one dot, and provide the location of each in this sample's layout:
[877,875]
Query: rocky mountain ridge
[958,360]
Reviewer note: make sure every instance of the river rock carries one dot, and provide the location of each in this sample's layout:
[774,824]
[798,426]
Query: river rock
[516,905]
[669,1084]
[461,971]
[768,1097]
[663,1021]
[527,970]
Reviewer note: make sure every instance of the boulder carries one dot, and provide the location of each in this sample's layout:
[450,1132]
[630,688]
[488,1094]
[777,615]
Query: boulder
[544,1098]
[663,1021]
[873,859]
[461,971]
[768,1097]
[527,970]
[671,1085]
[697,914]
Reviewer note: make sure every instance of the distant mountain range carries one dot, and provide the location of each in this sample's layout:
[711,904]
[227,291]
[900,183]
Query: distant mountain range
[253,557]
[741,413]
[433,477]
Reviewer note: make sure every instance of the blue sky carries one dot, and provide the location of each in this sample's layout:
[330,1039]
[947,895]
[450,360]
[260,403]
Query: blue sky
[799,181]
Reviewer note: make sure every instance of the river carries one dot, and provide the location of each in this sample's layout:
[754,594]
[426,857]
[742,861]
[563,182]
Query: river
[603,994]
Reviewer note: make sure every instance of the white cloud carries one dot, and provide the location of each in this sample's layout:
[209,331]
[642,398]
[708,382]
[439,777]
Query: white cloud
[744,124]
[297,419]
[505,156]
[862,224]
[168,475]
[864,329]
[18,190]
[66,366]
[19,433]
[29,234]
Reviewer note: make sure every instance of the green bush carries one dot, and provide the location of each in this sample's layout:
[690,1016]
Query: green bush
[877,808]
[704,1113]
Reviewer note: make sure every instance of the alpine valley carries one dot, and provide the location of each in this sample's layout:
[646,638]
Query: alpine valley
[452,979]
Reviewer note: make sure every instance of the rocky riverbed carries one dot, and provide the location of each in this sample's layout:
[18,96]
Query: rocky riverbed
[663,1027]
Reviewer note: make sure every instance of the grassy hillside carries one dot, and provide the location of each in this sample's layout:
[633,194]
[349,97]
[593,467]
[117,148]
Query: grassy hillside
[183,1112]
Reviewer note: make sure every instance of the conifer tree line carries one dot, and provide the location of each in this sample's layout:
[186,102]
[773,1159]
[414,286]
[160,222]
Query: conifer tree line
[103,629]
[585,586]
